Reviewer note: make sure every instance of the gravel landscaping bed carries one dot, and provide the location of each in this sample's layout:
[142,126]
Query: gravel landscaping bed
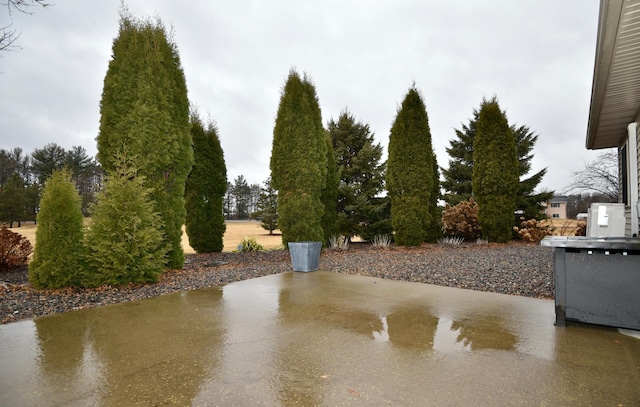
[515,268]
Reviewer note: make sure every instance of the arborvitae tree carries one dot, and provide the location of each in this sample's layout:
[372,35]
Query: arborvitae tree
[268,207]
[299,161]
[410,173]
[361,178]
[457,178]
[57,257]
[434,231]
[205,189]
[495,172]
[329,195]
[145,111]
[124,241]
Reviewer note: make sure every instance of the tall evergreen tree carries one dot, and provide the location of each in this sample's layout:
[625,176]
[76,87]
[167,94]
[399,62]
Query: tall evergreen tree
[361,173]
[329,195]
[410,172]
[12,200]
[242,196]
[205,189]
[145,110]
[457,178]
[527,201]
[57,257]
[299,161]
[46,160]
[268,207]
[495,172]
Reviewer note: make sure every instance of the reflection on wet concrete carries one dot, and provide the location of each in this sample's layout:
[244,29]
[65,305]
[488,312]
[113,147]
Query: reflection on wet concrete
[316,339]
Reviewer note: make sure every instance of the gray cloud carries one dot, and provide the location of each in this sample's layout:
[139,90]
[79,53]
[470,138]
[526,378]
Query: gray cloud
[536,56]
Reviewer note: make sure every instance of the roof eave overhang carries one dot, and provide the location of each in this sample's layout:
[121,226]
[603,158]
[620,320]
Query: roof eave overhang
[615,92]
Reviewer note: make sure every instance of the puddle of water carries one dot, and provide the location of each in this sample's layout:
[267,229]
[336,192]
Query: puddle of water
[314,339]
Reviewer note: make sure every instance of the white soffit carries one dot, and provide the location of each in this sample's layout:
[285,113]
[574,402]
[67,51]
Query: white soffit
[615,96]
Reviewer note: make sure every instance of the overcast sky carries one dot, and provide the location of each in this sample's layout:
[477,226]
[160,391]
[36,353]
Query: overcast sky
[536,56]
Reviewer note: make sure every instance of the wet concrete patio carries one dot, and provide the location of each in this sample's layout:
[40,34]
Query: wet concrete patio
[318,339]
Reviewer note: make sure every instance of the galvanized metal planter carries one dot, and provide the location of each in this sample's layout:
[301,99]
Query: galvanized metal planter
[305,256]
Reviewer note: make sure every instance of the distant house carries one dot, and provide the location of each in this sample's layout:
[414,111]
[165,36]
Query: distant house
[556,208]
[615,98]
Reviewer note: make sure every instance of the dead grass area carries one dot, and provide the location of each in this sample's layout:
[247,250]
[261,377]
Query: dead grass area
[236,231]
[565,227]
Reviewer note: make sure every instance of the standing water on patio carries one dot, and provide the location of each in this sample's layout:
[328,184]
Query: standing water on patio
[317,339]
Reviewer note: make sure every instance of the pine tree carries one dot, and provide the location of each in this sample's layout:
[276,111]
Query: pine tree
[530,203]
[495,172]
[124,242]
[241,192]
[410,173]
[457,178]
[12,200]
[329,195]
[145,110]
[205,190]
[358,157]
[57,257]
[298,161]
[268,207]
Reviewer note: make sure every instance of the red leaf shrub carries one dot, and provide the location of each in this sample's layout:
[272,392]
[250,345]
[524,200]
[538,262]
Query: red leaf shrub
[14,249]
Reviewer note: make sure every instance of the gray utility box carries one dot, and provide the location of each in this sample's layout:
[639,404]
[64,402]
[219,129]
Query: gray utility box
[597,280]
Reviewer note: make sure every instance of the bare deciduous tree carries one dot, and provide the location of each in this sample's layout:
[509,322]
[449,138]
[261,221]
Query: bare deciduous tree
[600,176]
[8,34]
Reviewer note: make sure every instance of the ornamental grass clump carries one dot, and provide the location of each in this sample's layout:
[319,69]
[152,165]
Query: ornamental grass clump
[381,241]
[339,242]
[14,249]
[250,244]
[451,241]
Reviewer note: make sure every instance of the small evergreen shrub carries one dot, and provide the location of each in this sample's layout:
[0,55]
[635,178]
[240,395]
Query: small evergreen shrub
[250,244]
[58,256]
[14,249]
[461,220]
[533,230]
[124,242]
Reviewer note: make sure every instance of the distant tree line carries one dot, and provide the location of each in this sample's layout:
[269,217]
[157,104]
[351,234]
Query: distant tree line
[22,177]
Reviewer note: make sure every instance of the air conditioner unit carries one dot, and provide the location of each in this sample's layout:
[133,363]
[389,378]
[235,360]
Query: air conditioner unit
[606,220]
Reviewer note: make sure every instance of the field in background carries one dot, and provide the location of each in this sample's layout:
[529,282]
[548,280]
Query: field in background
[236,231]
[565,227]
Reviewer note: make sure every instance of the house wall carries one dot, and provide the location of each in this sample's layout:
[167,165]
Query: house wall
[631,224]
[561,211]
